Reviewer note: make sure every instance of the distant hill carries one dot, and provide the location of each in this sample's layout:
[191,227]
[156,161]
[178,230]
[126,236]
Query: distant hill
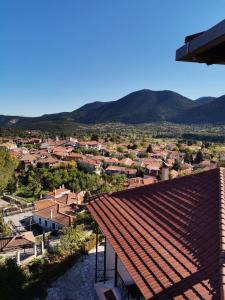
[204,100]
[8,121]
[211,112]
[135,108]
[138,107]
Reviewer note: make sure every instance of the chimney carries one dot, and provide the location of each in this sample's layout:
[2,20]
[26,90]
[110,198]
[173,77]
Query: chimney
[164,172]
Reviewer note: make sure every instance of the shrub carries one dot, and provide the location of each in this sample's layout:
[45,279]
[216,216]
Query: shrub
[12,279]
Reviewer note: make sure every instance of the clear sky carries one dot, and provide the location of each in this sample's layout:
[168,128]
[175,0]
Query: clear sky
[56,55]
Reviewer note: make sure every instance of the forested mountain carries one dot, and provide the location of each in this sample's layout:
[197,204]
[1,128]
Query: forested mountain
[135,108]
[211,112]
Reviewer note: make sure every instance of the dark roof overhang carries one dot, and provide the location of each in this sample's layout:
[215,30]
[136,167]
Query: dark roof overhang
[204,47]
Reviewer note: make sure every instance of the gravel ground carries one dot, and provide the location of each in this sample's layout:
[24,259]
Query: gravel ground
[78,282]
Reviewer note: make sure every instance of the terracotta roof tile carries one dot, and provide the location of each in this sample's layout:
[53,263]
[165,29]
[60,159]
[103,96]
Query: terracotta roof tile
[169,235]
[52,210]
[24,240]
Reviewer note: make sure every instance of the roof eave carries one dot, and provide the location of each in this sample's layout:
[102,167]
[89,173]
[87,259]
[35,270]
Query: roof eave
[193,50]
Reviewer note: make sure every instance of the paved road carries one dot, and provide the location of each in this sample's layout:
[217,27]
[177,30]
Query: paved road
[78,282]
[18,219]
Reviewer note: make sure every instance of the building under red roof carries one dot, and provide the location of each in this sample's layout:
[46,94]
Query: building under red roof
[22,241]
[169,236]
[51,211]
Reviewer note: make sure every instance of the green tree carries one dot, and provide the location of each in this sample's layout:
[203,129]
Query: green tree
[12,280]
[94,137]
[176,166]
[150,149]
[199,157]
[120,149]
[7,168]
[188,158]
[5,229]
[71,239]
[13,184]
[143,155]
[133,146]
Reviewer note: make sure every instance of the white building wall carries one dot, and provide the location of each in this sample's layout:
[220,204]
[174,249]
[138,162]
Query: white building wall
[110,265]
[42,222]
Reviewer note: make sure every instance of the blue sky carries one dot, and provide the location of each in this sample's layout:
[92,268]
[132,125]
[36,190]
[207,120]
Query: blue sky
[58,55]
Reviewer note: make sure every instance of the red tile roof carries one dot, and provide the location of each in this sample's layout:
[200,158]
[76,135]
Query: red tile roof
[25,240]
[170,235]
[75,156]
[138,181]
[54,211]
[88,143]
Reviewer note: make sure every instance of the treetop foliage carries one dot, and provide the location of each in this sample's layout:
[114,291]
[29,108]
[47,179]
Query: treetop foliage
[7,168]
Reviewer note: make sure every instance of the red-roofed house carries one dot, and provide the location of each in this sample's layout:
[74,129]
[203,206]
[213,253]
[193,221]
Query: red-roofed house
[164,240]
[91,165]
[49,214]
[121,170]
[57,209]
[75,156]
[47,162]
[28,160]
[139,181]
[22,241]
[126,162]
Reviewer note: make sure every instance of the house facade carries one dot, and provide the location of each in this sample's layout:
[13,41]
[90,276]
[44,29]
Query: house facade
[46,222]
[56,210]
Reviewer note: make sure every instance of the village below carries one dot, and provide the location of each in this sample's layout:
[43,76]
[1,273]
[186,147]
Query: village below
[46,182]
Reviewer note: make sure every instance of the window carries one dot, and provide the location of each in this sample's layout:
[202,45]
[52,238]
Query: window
[39,220]
[46,223]
[53,225]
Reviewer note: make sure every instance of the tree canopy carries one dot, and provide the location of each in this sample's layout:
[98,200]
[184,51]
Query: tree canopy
[7,167]
[199,157]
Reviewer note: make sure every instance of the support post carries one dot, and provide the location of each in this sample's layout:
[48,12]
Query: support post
[35,250]
[30,222]
[105,260]
[44,236]
[115,275]
[96,256]
[42,248]
[18,257]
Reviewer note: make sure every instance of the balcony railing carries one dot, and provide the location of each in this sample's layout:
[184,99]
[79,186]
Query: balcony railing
[104,275]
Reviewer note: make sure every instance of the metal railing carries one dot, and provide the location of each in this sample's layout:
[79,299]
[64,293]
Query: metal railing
[104,275]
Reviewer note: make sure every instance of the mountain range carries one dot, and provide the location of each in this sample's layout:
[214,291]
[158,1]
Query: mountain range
[142,106]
